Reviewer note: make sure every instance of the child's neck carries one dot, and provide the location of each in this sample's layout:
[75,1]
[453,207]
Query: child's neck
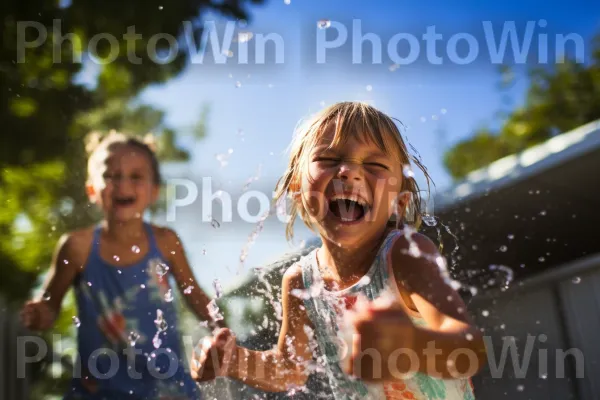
[345,266]
[124,231]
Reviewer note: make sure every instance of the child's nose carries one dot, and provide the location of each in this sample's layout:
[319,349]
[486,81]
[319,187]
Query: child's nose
[349,171]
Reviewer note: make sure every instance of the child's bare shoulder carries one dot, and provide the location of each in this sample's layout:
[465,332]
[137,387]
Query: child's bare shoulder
[405,240]
[292,277]
[76,245]
[164,234]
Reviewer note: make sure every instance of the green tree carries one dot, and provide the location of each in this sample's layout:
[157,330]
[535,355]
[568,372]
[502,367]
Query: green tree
[560,98]
[46,111]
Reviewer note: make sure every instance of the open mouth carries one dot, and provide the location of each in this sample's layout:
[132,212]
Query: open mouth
[348,209]
[124,201]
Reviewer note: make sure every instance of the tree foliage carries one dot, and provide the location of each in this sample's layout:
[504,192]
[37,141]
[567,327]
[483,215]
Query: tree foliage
[57,84]
[560,98]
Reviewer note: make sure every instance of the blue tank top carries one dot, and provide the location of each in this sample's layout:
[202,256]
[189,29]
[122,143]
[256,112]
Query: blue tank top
[128,340]
[323,308]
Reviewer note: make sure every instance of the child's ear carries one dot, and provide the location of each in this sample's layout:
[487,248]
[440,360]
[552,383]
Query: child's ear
[402,203]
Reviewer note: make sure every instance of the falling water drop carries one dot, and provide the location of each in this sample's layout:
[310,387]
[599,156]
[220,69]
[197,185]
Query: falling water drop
[188,290]
[485,313]
[323,23]
[133,338]
[135,249]
[160,322]
[215,224]
[407,171]
[503,249]
[46,296]
[169,296]
[576,280]
[238,84]
[76,322]
[218,288]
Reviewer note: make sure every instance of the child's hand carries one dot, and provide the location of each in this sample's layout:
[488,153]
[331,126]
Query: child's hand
[214,357]
[37,315]
[382,328]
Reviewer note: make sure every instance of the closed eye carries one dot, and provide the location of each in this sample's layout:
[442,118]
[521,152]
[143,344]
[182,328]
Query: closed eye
[379,165]
[327,159]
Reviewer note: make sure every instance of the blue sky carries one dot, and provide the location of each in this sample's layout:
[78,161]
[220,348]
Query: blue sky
[265,102]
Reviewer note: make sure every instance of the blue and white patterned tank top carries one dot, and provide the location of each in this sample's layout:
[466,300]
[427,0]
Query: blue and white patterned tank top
[321,310]
[128,339]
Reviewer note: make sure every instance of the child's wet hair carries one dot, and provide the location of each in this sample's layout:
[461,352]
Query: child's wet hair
[96,145]
[352,119]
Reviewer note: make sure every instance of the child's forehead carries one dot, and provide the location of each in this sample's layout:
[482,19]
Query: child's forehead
[123,154]
[331,139]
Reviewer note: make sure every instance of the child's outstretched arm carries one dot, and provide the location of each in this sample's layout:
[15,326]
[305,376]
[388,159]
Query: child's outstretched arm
[195,298]
[40,314]
[275,370]
[449,328]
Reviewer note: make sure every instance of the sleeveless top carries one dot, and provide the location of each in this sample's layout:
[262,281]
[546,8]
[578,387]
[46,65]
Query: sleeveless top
[128,342]
[322,309]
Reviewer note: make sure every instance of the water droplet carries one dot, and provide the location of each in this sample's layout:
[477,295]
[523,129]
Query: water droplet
[544,376]
[443,111]
[287,2]
[429,220]
[323,23]
[213,311]
[511,237]
[156,342]
[394,67]
[160,7]
[503,249]
[576,280]
[502,326]
[485,313]
[245,36]
[469,337]
[423,119]
[169,296]
[541,259]
[188,290]
[159,267]
[369,88]
[133,338]
[76,322]
[215,224]
[46,296]
[218,288]
[238,84]
[543,213]
[407,171]
[160,322]
[135,249]
[119,271]
[116,258]
[203,252]
[520,388]
[143,286]
[89,284]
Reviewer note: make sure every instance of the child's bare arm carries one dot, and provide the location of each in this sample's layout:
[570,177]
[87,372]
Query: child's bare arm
[278,369]
[195,298]
[40,314]
[449,325]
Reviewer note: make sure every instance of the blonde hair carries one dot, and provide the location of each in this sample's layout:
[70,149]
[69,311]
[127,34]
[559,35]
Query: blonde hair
[352,119]
[97,145]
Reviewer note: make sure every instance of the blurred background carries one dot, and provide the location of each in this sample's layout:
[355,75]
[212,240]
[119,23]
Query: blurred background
[511,143]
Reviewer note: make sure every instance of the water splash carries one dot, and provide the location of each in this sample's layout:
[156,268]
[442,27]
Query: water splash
[169,296]
[218,288]
[160,322]
[213,311]
[188,290]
